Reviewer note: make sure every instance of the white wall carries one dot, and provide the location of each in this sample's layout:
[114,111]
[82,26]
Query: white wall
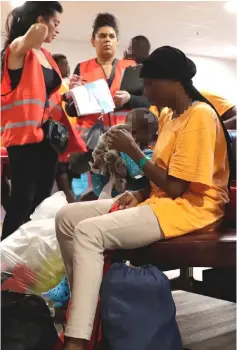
[213,74]
[216,75]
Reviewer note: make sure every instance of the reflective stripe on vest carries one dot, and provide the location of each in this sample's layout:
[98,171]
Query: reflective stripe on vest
[27,101]
[54,105]
[20,125]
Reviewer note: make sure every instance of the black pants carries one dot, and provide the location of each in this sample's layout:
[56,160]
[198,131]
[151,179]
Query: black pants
[32,169]
[5,188]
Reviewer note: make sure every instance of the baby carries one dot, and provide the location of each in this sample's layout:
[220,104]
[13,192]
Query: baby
[143,125]
[108,161]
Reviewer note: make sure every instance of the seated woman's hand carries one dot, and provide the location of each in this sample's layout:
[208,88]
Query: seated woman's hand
[129,199]
[121,140]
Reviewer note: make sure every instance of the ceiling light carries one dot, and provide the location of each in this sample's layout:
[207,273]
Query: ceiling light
[231,6]
[17,3]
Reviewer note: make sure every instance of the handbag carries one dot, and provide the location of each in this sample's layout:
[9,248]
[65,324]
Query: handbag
[92,136]
[55,133]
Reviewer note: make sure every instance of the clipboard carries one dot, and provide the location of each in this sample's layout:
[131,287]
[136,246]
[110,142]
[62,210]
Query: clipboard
[131,81]
[92,98]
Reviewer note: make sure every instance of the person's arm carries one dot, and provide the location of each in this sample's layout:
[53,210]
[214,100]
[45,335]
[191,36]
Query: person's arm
[123,99]
[63,183]
[229,118]
[137,102]
[174,187]
[69,106]
[34,37]
[192,160]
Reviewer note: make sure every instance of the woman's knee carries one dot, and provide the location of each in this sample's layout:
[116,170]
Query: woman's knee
[87,234]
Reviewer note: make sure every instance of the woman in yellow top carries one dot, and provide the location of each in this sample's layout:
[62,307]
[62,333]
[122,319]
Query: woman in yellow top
[188,174]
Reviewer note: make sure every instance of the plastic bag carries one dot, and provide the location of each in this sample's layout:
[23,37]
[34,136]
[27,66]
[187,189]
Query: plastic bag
[31,261]
[49,207]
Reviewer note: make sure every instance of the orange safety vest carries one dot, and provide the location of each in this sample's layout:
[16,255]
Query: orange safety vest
[90,71]
[23,109]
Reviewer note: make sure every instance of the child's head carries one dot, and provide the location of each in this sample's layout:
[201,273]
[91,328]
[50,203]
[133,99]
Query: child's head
[143,125]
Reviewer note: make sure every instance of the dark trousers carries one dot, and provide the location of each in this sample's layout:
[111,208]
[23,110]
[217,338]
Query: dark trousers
[5,188]
[32,168]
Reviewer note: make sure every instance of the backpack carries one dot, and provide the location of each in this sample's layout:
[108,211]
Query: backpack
[138,310]
[26,323]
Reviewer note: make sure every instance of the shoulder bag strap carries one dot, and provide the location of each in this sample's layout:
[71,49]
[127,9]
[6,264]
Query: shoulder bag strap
[111,78]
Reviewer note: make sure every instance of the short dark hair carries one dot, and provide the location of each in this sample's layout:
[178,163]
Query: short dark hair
[146,111]
[103,20]
[143,41]
[58,57]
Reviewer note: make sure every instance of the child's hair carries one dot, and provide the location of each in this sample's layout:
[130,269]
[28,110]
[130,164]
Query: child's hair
[143,114]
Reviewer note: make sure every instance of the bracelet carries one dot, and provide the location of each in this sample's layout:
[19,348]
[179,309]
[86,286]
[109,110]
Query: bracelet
[142,162]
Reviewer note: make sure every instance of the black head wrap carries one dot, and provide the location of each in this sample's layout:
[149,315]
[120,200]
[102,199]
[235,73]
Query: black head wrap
[169,63]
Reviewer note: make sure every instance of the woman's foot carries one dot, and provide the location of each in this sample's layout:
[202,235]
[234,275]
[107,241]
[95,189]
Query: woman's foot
[74,344]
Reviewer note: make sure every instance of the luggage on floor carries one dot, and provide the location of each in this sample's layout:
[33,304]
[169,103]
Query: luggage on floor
[31,261]
[137,310]
[26,323]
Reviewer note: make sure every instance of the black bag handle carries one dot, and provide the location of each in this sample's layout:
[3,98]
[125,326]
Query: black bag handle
[111,78]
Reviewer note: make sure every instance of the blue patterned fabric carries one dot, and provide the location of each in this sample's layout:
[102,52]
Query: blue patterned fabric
[98,182]
[132,167]
[79,186]
[138,310]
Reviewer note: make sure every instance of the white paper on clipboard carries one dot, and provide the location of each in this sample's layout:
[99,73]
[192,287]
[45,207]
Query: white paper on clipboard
[93,98]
